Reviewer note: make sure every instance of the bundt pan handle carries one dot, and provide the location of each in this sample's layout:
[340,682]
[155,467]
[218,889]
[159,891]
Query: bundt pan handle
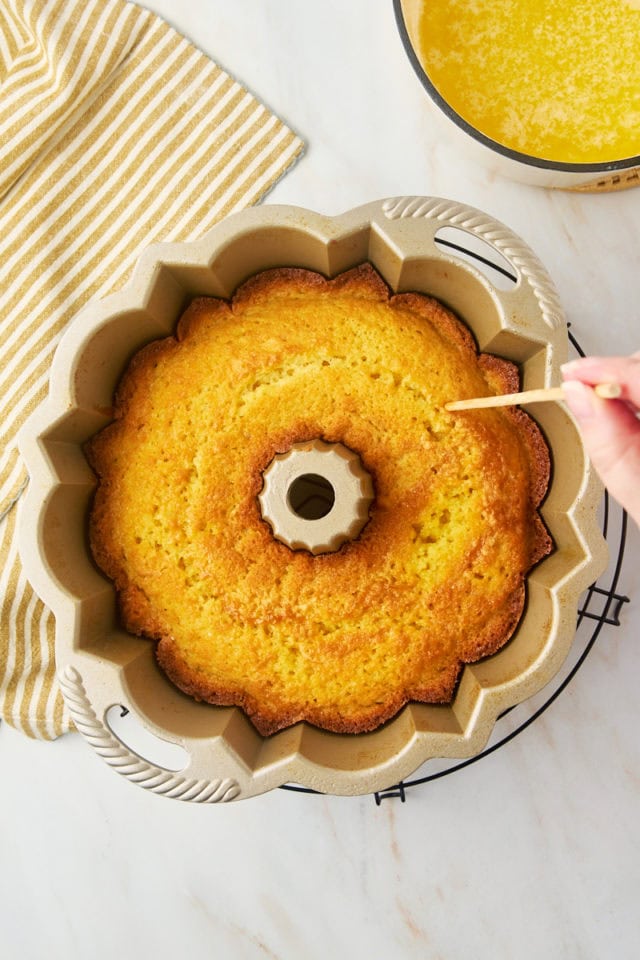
[531,303]
[131,765]
[101,666]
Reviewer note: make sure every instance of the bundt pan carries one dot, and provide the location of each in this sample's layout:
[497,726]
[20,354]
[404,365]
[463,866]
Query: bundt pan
[100,665]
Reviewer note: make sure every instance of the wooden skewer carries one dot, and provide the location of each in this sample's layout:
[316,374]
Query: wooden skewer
[608,391]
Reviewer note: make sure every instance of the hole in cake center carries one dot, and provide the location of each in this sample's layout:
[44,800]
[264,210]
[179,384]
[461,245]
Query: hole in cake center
[311,496]
[316,496]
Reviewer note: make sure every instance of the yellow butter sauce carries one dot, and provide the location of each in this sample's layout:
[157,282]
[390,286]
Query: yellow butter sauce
[554,79]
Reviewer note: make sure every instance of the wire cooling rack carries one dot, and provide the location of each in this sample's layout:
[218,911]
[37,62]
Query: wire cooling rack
[599,607]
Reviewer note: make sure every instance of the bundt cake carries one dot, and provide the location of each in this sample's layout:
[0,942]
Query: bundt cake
[435,578]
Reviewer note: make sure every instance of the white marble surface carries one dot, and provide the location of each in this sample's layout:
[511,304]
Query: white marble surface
[533,852]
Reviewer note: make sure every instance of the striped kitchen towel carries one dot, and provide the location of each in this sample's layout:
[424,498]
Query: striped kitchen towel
[115,132]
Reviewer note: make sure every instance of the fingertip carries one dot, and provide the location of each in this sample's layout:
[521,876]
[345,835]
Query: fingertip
[569,366]
[579,398]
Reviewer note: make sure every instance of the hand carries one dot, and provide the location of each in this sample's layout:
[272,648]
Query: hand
[610,428]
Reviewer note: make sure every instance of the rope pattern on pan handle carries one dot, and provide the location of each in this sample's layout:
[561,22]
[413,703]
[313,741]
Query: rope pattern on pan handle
[507,243]
[129,764]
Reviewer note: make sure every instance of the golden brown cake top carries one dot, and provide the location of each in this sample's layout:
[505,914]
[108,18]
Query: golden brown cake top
[434,580]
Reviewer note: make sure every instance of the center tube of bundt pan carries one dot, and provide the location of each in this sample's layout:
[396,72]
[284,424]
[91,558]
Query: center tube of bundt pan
[316,496]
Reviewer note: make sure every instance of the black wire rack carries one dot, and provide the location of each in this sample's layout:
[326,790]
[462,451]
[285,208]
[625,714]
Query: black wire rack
[599,608]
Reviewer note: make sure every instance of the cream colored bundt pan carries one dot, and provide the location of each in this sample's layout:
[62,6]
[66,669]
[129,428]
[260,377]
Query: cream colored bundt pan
[101,665]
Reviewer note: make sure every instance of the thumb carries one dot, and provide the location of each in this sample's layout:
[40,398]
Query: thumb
[611,434]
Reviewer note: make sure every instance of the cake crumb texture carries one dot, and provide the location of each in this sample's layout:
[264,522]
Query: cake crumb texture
[436,578]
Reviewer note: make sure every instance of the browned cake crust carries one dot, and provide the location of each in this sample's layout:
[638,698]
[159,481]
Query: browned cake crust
[435,580]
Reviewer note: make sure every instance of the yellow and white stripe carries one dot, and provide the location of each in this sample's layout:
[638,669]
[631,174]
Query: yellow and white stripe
[115,132]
